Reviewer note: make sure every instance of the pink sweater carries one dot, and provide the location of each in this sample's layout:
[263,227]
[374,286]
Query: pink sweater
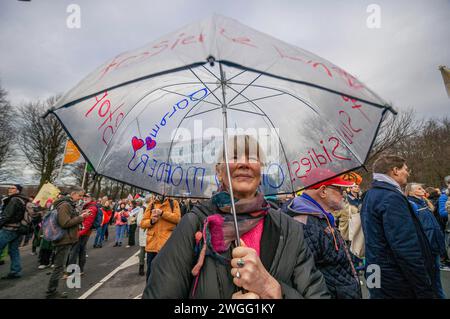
[252,238]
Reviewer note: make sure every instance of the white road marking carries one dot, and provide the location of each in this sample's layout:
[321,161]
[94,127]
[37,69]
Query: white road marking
[127,263]
[138,297]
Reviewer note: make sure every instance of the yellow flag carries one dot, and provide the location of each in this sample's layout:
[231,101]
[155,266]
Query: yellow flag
[446,77]
[72,154]
[47,191]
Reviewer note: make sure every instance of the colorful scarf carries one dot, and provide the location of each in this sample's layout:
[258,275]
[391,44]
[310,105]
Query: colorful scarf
[219,231]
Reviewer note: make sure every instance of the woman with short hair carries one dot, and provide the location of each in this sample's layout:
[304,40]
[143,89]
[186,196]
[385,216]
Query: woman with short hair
[200,260]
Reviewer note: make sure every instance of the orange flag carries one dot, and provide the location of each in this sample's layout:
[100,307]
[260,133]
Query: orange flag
[72,154]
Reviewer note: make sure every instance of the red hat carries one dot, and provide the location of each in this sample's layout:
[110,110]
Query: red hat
[321,177]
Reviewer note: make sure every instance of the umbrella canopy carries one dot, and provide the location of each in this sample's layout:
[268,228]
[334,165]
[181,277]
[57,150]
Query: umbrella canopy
[155,117]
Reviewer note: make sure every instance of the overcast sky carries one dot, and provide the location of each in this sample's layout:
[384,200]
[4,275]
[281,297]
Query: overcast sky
[40,56]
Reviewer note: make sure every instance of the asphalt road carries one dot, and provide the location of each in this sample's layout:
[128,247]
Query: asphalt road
[110,273]
[100,263]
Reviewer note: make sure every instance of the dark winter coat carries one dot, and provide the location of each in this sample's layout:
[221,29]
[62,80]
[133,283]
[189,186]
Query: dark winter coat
[68,219]
[331,255]
[430,225]
[283,253]
[13,211]
[396,243]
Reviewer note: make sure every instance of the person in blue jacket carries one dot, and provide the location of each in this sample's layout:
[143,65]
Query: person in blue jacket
[444,212]
[397,249]
[431,227]
[331,255]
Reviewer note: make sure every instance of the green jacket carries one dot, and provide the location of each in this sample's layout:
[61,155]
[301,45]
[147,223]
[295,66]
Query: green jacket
[68,219]
[283,252]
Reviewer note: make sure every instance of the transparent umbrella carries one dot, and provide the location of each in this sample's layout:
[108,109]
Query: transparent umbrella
[158,116]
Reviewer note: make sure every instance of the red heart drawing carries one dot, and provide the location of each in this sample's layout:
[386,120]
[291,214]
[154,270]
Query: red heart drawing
[151,143]
[137,143]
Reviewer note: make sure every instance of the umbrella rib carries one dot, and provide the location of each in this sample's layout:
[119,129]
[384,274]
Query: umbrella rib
[245,88]
[260,98]
[219,78]
[142,78]
[212,73]
[245,111]
[237,75]
[205,85]
[181,121]
[187,113]
[239,66]
[281,92]
[207,111]
[187,96]
[131,109]
[279,138]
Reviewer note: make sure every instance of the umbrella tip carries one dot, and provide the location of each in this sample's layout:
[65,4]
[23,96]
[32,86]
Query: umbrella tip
[211,60]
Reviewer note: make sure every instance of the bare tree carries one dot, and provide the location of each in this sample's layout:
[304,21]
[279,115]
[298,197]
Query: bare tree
[428,153]
[41,140]
[395,131]
[7,135]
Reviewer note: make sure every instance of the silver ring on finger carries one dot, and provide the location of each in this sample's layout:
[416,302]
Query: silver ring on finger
[240,263]
[238,274]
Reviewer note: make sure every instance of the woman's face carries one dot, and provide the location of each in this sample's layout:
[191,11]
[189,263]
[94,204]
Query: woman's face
[245,176]
[419,191]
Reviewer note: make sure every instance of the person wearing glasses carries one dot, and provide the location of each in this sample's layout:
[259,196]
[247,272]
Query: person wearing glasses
[397,249]
[314,210]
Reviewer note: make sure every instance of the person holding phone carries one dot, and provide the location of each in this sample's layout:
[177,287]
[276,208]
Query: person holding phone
[68,219]
[79,249]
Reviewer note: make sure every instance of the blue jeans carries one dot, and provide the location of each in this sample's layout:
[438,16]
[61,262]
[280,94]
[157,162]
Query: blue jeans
[12,239]
[100,236]
[120,231]
[150,257]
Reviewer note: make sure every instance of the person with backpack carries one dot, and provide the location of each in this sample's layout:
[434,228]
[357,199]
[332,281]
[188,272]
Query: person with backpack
[11,223]
[69,221]
[78,251]
[46,249]
[121,218]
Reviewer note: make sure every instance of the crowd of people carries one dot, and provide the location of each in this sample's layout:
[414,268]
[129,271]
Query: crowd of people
[80,214]
[316,244]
